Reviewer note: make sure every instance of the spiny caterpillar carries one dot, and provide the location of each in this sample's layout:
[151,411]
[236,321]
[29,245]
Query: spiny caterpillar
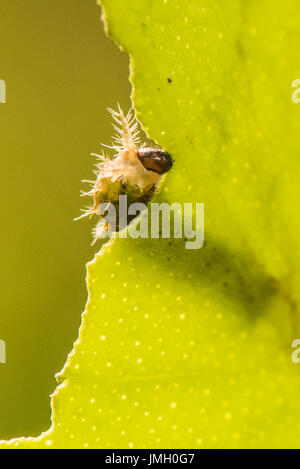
[133,170]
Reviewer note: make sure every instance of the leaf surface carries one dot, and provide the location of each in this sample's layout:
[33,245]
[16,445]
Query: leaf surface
[192,348]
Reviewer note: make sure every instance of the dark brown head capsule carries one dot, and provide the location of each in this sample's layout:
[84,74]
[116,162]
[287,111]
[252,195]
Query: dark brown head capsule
[155,159]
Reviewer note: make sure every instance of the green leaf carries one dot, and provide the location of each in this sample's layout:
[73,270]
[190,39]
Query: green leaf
[192,348]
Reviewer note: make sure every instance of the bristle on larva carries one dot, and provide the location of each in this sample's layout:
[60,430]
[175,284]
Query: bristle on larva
[128,135]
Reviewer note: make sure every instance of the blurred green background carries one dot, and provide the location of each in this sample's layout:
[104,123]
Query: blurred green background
[61,72]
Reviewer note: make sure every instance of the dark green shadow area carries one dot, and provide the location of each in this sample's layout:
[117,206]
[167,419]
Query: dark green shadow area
[234,276]
[61,72]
